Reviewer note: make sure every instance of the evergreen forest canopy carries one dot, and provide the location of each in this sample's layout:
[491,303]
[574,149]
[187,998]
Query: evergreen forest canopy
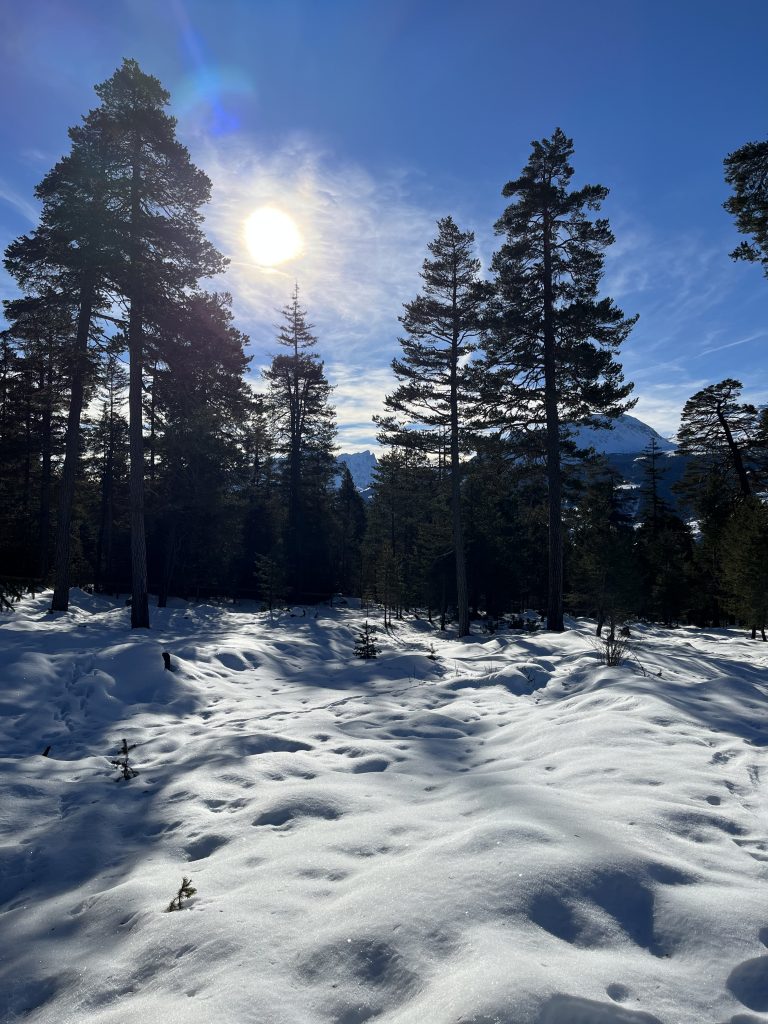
[135,457]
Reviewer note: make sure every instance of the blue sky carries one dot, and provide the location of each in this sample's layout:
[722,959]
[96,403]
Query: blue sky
[366,120]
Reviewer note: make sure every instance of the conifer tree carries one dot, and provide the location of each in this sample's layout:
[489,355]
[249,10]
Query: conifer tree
[62,263]
[551,339]
[746,171]
[604,572]
[304,429]
[155,195]
[435,395]
[664,548]
[350,520]
[714,424]
[745,564]
[120,221]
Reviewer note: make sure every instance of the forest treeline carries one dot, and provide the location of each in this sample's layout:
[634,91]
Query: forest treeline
[136,458]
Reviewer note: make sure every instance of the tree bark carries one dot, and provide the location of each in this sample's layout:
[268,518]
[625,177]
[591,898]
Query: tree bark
[554,471]
[462,599]
[45,469]
[60,600]
[139,597]
[733,448]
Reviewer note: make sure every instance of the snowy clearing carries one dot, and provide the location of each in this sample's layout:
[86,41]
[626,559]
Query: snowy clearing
[510,833]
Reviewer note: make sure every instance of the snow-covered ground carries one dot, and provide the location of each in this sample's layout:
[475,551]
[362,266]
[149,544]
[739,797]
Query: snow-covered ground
[509,834]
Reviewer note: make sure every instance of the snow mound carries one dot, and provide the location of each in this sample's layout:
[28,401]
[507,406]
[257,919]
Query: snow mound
[498,831]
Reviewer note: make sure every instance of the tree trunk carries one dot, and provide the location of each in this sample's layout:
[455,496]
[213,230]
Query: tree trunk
[60,600]
[462,600]
[554,472]
[139,598]
[733,448]
[45,473]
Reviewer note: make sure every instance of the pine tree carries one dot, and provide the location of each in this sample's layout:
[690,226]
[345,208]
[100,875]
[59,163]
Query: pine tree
[201,405]
[435,395]
[746,171]
[604,571]
[714,424]
[551,339]
[62,264]
[120,221]
[745,564]
[350,520]
[664,548]
[304,428]
[39,334]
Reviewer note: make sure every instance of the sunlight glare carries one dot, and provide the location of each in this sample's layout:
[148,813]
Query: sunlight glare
[272,236]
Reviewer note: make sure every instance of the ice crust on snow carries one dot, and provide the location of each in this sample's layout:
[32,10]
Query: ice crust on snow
[509,834]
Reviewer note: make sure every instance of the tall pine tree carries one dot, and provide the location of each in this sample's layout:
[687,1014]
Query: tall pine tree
[551,339]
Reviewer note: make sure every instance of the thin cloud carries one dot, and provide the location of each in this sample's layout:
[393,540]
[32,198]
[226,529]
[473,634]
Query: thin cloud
[19,203]
[365,240]
[734,344]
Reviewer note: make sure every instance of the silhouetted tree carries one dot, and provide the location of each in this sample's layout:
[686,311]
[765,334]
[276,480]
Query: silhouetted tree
[551,339]
[434,393]
[746,171]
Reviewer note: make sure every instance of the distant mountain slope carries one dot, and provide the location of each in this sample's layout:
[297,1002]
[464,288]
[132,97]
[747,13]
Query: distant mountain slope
[361,465]
[626,435]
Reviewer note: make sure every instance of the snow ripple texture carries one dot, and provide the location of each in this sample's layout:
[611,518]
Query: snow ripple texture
[500,831]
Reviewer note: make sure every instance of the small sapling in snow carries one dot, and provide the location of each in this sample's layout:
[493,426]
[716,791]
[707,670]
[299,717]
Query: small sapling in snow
[122,762]
[365,645]
[186,890]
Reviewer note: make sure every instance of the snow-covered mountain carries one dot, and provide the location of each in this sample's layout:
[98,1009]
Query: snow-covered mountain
[626,435]
[361,465]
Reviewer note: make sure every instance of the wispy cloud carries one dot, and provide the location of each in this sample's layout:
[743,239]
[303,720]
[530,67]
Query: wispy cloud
[22,205]
[734,344]
[365,240]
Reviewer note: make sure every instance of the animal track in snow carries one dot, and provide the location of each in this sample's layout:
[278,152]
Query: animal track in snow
[748,982]
[295,810]
[563,1009]
[371,764]
[203,847]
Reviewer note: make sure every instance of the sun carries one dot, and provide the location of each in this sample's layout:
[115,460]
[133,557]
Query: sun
[272,236]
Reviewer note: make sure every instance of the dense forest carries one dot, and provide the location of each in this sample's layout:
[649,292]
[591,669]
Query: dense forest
[136,458]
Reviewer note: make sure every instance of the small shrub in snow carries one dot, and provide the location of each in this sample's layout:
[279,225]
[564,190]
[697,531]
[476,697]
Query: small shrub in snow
[365,645]
[123,763]
[613,649]
[186,890]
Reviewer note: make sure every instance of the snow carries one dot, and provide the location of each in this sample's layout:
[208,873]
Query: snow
[626,435]
[511,833]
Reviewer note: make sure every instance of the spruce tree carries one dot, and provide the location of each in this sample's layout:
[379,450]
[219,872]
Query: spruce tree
[435,395]
[304,430]
[551,339]
[746,171]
